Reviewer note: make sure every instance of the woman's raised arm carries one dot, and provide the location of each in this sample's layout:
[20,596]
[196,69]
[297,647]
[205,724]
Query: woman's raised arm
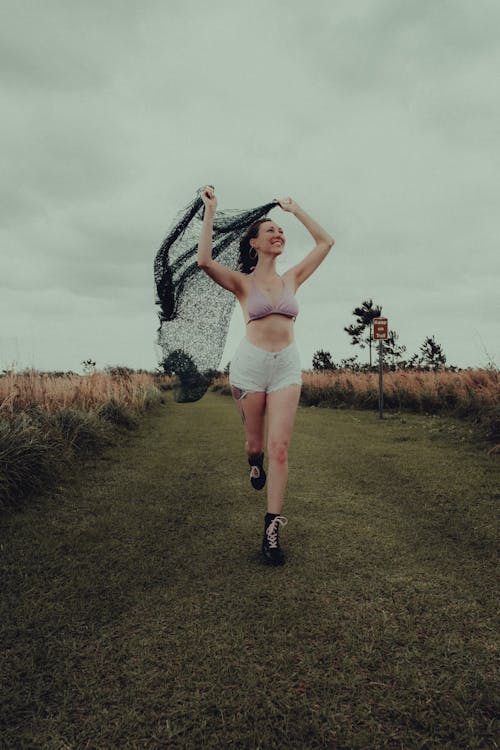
[225,277]
[324,242]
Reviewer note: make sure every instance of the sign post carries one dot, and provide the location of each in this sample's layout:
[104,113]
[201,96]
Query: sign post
[380,333]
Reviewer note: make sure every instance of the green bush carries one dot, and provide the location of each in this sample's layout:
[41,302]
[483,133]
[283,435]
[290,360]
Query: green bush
[117,414]
[83,431]
[28,461]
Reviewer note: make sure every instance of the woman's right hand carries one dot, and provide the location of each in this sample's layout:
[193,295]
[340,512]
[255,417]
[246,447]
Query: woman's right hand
[208,198]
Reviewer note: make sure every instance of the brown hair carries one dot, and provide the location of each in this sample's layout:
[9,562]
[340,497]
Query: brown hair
[246,263]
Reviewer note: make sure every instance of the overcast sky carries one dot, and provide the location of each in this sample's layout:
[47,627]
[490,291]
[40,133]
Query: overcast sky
[380,117]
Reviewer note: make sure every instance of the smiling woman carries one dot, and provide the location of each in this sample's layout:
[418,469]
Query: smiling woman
[265,372]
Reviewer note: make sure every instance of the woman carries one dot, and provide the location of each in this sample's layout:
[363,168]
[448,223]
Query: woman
[265,372]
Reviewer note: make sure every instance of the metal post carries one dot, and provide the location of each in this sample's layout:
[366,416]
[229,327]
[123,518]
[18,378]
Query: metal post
[380,382]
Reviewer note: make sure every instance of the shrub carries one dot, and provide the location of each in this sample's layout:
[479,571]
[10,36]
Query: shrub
[117,414]
[151,397]
[28,461]
[84,432]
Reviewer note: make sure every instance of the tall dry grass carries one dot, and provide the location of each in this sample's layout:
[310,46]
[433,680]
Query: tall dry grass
[436,390]
[22,391]
[469,394]
[472,394]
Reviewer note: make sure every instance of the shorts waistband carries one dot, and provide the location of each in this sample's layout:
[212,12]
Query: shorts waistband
[266,352]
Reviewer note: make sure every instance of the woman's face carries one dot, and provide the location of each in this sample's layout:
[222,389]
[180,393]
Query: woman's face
[270,239]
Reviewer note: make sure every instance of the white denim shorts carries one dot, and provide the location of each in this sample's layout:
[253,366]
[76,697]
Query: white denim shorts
[253,369]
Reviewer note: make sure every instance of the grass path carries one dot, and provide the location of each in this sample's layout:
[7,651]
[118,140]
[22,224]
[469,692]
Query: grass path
[136,612]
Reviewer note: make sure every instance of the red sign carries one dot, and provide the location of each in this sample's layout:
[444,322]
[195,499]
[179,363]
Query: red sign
[380,328]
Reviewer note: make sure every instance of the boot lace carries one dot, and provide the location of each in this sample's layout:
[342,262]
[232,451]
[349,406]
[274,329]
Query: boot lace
[272,531]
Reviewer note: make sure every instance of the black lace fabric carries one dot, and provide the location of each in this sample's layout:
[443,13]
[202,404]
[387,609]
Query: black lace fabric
[195,312]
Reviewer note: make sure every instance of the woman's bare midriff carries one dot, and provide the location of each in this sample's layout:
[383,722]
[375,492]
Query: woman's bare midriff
[272,333]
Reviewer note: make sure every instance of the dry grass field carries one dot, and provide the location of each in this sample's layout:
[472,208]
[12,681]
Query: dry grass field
[23,391]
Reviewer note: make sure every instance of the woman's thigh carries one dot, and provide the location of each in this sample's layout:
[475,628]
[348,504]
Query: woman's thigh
[281,410]
[252,408]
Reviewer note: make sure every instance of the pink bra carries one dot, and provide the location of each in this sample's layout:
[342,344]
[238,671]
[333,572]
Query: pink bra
[260,306]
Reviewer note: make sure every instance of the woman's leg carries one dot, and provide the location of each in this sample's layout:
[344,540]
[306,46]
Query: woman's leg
[252,408]
[281,409]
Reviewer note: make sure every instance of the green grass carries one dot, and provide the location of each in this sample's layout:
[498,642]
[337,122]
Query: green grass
[136,612]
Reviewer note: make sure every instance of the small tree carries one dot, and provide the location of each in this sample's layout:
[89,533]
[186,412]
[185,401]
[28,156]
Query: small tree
[178,362]
[361,332]
[88,366]
[322,360]
[432,355]
[191,382]
[391,349]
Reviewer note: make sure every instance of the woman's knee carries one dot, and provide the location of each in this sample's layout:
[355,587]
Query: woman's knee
[278,451]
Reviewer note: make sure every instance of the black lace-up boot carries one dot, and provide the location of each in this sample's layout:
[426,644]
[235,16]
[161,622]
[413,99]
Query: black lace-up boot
[270,545]
[257,473]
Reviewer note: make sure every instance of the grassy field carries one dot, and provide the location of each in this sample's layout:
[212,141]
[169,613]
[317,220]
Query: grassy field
[136,612]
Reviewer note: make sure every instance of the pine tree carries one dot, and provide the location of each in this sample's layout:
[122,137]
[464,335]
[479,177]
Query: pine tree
[361,333]
[433,355]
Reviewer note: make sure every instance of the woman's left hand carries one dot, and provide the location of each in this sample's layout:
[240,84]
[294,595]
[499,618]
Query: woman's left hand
[287,204]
